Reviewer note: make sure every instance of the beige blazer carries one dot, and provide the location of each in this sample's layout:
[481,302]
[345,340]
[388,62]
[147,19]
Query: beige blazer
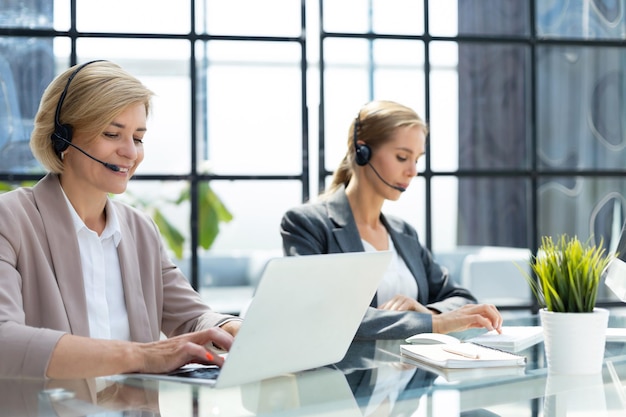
[42,295]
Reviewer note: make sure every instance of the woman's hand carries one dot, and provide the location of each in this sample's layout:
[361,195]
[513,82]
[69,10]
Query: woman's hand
[85,357]
[169,354]
[469,316]
[404,303]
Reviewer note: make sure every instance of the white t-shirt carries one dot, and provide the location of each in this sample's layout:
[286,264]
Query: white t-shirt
[398,278]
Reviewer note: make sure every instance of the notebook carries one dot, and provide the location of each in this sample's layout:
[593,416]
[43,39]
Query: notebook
[304,314]
[461,355]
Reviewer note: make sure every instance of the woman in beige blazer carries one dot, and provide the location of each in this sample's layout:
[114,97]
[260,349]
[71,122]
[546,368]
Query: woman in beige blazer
[86,286]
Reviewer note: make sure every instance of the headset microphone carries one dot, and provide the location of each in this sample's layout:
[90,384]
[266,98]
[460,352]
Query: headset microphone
[363,154]
[112,167]
[395,187]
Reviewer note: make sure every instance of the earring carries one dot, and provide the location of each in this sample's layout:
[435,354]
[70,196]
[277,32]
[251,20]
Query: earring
[62,156]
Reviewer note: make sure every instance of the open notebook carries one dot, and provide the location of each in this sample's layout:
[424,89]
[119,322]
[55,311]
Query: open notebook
[304,315]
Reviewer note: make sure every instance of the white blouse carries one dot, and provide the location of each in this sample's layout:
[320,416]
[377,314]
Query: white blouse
[106,306]
[398,278]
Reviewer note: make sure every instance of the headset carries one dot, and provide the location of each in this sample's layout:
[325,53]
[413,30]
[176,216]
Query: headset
[363,152]
[62,135]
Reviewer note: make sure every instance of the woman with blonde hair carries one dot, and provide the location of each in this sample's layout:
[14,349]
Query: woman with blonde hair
[86,286]
[416,295]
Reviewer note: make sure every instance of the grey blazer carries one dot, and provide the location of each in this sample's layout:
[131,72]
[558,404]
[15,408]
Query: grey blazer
[42,295]
[328,226]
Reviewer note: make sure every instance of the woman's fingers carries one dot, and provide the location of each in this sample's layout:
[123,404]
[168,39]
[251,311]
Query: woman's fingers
[469,316]
[198,347]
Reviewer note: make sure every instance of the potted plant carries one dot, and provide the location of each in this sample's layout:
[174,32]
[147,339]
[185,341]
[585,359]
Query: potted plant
[567,275]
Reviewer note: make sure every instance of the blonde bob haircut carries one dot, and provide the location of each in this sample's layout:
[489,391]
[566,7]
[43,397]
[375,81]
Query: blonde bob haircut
[97,94]
[375,123]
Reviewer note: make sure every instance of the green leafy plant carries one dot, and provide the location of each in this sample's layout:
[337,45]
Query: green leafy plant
[568,274]
[211,212]
[9,186]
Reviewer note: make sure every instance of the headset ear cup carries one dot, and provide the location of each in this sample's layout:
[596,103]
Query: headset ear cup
[363,154]
[61,137]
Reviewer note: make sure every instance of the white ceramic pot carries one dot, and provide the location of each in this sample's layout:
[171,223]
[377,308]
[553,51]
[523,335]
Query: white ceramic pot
[574,342]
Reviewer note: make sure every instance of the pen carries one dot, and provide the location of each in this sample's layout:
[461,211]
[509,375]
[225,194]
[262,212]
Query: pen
[462,351]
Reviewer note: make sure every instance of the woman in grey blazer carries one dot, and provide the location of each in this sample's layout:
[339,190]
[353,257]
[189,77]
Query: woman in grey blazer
[86,286]
[416,295]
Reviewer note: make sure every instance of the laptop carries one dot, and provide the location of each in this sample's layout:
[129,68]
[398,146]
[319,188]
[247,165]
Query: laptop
[304,315]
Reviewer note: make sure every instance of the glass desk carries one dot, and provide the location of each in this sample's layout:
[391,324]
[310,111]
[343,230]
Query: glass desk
[372,380]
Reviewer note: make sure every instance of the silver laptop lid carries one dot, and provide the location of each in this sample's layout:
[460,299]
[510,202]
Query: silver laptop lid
[304,314]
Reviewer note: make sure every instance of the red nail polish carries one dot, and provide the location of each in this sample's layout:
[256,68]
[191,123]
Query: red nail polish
[209,356]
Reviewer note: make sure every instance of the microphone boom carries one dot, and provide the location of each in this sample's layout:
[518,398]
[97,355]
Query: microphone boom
[395,187]
[112,167]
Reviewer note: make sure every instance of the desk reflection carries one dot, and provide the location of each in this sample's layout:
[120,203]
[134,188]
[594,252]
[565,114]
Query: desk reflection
[381,383]
[70,398]
[320,392]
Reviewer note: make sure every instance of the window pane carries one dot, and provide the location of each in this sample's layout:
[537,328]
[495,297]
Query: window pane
[250,107]
[581,114]
[581,19]
[386,16]
[445,205]
[345,16]
[586,207]
[398,16]
[399,72]
[443,139]
[481,211]
[494,114]
[137,16]
[163,66]
[255,223]
[479,17]
[443,17]
[249,17]
[26,68]
[33,14]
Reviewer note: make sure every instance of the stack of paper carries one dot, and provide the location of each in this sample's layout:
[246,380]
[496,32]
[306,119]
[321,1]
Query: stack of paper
[512,338]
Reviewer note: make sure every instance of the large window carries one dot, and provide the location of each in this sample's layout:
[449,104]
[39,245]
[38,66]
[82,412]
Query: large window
[524,99]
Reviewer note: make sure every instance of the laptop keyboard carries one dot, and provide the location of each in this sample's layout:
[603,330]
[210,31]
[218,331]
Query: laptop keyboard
[202,373]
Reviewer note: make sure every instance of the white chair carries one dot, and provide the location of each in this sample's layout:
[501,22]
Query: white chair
[496,275]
